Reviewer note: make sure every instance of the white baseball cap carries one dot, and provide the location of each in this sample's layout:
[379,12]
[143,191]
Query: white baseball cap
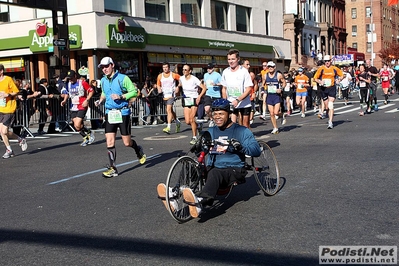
[106,61]
[271,63]
[327,58]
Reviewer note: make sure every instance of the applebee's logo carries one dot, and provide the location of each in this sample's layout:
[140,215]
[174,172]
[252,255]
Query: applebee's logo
[41,28]
[43,41]
[126,37]
[120,24]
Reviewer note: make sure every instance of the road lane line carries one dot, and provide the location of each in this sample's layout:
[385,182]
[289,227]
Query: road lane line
[96,171]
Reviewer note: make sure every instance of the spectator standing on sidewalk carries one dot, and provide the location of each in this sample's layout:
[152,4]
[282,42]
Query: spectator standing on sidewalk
[80,93]
[8,105]
[117,90]
[43,104]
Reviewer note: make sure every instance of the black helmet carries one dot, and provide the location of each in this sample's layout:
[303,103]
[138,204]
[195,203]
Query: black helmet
[221,104]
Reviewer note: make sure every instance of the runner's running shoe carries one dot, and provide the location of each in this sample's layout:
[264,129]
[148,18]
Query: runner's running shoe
[8,154]
[84,142]
[167,130]
[141,155]
[193,140]
[178,124]
[110,172]
[330,125]
[91,138]
[23,144]
[275,131]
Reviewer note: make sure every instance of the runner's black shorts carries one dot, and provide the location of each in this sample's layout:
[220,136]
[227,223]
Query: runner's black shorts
[124,127]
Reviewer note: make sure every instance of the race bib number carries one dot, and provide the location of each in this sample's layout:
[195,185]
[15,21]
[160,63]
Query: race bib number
[327,82]
[115,117]
[188,101]
[234,92]
[220,147]
[272,88]
[362,84]
[3,102]
[75,100]
[287,87]
[385,78]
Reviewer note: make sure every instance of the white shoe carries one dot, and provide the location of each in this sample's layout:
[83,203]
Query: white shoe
[155,122]
[58,129]
[275,131]
[303,115]
[23,145]
[330,125]
[91,138]
[284,121]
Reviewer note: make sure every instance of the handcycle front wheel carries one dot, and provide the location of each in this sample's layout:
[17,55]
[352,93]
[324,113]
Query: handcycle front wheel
[266,171]
[185,172]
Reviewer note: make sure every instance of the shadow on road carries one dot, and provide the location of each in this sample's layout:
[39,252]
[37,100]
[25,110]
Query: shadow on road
[172,251]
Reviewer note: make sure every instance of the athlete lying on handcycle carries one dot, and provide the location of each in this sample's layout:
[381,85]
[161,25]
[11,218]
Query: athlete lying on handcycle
[225,163]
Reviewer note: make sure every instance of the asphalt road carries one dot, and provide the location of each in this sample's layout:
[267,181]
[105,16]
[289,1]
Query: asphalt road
[340,187]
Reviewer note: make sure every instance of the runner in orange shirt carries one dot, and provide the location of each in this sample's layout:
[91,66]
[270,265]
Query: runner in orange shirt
[302,83]
[325,77]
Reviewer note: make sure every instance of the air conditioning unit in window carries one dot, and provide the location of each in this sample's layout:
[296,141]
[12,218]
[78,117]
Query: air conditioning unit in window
[354,33]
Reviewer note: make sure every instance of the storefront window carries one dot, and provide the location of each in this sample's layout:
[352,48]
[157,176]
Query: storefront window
[157,9]
[191,12]
[121,7]
[219,15]
[242,18]
[127,63]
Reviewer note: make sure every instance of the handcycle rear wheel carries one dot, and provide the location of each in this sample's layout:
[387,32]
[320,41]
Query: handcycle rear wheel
[185,172]
[266,171]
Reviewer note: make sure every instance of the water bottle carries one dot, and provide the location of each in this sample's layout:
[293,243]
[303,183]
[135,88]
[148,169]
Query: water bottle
[201,157]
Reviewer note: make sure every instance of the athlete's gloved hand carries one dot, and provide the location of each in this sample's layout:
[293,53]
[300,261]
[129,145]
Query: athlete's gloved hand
[236,145]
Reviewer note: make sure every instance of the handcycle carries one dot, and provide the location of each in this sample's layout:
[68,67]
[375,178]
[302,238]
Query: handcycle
[190,171]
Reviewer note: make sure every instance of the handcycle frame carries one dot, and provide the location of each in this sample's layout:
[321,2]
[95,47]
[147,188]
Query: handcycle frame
[190,171]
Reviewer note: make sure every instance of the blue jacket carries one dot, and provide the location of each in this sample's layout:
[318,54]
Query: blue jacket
[118,84]
[233,158]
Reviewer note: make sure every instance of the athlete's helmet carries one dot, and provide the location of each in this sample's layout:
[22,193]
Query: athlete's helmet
[221,104]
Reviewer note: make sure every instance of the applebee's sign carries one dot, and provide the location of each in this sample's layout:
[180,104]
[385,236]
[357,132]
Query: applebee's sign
[121,36]
[41,40]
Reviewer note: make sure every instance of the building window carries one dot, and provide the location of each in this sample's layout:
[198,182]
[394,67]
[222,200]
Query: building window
[368,12]
[219,15]
[267,22]
[157,9]
[354,45]
[242,18]
[354,12]
[4,15]
[368,28]
[368,47]
[354,30]
[191,12]
[121,7]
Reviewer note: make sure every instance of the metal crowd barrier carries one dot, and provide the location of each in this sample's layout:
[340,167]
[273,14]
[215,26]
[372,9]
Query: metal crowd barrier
[36,111]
